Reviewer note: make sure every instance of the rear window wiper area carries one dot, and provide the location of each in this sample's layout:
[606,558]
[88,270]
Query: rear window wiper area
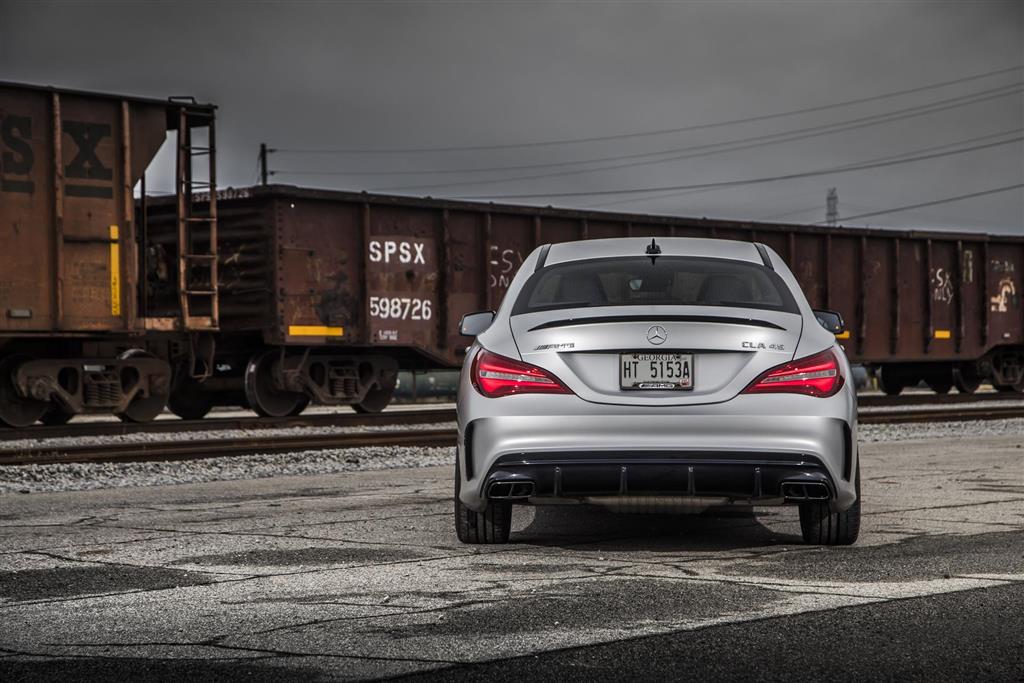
[716,319]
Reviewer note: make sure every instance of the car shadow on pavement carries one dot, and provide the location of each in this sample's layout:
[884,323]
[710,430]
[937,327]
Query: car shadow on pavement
[718,529]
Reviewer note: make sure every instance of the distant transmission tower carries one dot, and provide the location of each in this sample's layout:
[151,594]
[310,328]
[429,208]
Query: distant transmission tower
[832,207]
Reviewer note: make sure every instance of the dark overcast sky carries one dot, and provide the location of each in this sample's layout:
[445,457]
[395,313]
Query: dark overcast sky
[395,75]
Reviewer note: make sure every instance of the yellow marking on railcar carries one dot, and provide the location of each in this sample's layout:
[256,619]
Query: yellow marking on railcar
[943,334]
[314,331]
[115,272]
[845,334]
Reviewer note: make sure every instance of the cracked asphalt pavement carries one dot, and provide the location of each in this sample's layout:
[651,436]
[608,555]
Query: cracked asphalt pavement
[359,576]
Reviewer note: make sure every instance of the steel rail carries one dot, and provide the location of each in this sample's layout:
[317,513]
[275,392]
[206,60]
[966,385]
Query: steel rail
[876,401]
[245,422]
[941,414]
[421,416]
[193,449]
[256,444]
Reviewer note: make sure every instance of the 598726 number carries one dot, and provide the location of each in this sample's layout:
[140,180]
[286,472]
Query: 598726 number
[400,308]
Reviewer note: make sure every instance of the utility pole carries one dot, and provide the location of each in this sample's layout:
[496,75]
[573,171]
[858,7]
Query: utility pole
[263,163]
[832,207]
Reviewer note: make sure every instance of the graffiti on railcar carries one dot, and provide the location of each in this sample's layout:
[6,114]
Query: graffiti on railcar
[1005,293]
[1006,296]
[1002,266]
[967,267]
[503,266]
[942,285]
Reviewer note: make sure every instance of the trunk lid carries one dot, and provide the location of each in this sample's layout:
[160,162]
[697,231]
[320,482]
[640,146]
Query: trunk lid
[730,347]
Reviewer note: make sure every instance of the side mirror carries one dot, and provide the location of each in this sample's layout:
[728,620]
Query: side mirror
[831,321]
[474,323]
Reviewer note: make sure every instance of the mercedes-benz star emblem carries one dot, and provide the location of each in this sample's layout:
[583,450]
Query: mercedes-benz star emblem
[657,335]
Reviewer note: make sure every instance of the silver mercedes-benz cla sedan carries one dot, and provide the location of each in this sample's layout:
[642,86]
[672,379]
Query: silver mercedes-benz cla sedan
[667,374]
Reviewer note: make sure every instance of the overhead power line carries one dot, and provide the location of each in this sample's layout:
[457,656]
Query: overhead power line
[665,131]
[901,155]
[935,202]
[710,149]
[749,181]
[740,144]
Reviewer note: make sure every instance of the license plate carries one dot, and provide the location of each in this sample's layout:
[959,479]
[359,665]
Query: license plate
[671,371]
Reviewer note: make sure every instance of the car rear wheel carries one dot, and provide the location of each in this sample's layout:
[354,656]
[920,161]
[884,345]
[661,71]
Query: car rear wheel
[493,525]
[821,526]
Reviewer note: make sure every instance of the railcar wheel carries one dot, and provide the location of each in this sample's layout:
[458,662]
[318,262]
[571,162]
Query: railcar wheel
[55,416]
[188,400]
[15,410]
[940,386]
[1018,387]
[142,408]
[965,381]
[890,382]
[375,401]
[264,398]
[300,406]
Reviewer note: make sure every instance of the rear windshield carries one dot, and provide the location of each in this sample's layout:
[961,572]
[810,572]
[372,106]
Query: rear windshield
[668,281]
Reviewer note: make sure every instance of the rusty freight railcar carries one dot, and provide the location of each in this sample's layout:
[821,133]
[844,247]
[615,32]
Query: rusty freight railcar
[72,333]
[323,294]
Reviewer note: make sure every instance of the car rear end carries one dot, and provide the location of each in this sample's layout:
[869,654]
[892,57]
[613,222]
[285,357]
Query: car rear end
[672,375]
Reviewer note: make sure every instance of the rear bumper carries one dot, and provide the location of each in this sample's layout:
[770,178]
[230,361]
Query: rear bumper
[738,452]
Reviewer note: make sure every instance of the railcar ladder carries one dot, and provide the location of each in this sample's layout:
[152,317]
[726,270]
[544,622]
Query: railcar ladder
[197,228]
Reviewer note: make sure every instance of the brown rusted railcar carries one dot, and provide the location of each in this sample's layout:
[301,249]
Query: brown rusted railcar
[72,334]
[275,296]
[323,293]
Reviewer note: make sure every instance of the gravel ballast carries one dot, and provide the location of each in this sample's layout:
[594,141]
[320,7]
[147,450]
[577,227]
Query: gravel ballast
[81,476]
[70,477]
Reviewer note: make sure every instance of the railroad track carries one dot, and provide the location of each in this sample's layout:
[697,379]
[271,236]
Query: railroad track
[194,449]
[879,401]
[941,414]
[250,444]
[394,417]
[248,423]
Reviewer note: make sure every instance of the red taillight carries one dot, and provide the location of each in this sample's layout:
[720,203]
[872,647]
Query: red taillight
[816,375]
[495,376]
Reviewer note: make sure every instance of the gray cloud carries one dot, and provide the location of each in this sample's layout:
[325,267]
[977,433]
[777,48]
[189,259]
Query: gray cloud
[387,75]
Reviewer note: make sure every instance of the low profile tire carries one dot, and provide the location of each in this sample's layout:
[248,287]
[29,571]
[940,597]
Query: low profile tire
[820,526]
[493,525]
[375,401]
[55,416]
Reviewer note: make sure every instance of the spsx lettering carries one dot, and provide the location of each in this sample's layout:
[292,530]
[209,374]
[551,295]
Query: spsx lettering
[81,141]
[17,157]
[388,251]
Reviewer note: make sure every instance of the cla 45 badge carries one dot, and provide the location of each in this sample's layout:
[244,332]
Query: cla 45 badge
[761,346]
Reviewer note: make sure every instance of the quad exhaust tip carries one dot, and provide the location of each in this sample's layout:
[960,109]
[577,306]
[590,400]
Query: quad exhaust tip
[506,490]
[813,490]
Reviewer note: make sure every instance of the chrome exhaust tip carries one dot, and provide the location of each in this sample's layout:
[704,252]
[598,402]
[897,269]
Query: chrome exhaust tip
[805,491]
[508,490]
